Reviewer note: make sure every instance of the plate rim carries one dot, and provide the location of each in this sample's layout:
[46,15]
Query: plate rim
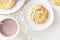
[13,11]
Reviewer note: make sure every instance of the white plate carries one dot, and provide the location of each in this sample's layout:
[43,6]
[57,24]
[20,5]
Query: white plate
[32,25]
[16,7]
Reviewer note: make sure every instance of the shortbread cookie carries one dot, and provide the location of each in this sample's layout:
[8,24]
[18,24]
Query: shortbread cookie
[56,2]
[39,14]
[7,4]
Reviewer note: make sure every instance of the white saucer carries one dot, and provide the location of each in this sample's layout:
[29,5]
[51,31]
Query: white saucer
[31,24]
[16,7]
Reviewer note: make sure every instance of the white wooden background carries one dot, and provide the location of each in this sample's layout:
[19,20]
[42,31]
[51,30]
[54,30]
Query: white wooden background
[51,33]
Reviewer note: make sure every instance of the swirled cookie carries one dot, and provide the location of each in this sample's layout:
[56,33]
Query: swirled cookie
[39,14]
[7,4]
[56,2]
